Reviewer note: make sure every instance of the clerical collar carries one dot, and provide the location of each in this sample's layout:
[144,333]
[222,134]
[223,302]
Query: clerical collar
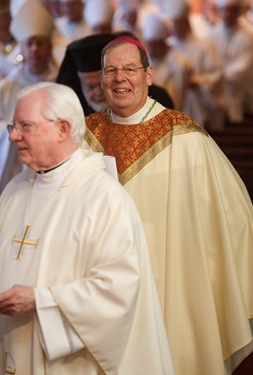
[57,174]
[137,117]
[51,169]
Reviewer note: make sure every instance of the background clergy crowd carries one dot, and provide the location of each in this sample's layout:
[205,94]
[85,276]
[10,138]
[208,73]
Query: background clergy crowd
[201,52]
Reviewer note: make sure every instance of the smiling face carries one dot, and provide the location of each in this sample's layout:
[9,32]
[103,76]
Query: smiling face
[92,90]
[126,94]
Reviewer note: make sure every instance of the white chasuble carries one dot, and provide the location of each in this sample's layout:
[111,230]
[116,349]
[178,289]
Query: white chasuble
[83,242]
[198,220]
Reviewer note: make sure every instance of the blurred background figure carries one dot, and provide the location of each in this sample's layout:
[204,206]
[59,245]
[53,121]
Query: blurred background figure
[204,98]
[99,15]
[234,45]
[54,7]
[72,25]
[172,70]
[246,18]
[32,28]
[203,18]
[126,16]
[59,42]
[8,44]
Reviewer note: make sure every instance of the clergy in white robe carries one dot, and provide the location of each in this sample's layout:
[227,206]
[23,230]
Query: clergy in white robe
[196,212]
[72,25]
[36,65]
[172,70]
[7,42]
[72,234]
[204,98]
[234,44]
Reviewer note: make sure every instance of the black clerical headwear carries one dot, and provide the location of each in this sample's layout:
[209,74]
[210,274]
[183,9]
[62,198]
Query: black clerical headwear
[82,55]
[86,52]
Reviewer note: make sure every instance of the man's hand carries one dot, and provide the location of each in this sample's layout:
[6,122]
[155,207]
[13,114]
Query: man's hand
[17,300]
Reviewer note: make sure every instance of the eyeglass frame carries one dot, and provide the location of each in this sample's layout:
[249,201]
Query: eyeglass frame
[31,128]
[128,71]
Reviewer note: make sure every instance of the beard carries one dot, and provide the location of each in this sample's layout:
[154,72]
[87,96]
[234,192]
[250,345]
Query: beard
[97,106]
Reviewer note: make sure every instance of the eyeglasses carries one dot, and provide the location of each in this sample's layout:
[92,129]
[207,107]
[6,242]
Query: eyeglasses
[24,128]
[128,71]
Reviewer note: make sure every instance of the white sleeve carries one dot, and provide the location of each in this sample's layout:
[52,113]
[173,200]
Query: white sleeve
[110,166]
[56,336]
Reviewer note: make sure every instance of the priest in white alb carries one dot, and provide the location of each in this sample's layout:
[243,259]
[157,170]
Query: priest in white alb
[77,295]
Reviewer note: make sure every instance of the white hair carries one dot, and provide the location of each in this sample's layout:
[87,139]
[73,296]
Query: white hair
[60,102]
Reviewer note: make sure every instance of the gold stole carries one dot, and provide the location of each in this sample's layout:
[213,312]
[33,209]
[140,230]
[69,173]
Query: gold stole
[135,145]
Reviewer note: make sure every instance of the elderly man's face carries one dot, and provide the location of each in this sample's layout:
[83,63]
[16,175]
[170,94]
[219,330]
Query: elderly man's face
[92,90]
[37,138]
[37,52]
[125,93]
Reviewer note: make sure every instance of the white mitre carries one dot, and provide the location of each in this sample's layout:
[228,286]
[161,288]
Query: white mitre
[32,19]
